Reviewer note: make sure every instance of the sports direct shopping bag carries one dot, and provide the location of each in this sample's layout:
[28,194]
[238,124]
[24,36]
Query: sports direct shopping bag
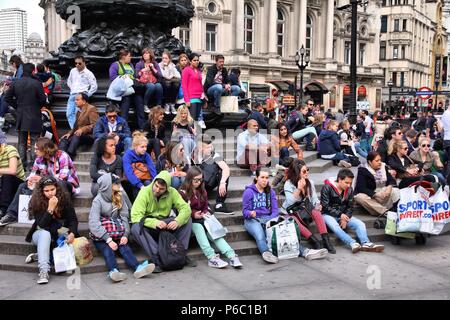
[439,221]
[412,206]
[284,239]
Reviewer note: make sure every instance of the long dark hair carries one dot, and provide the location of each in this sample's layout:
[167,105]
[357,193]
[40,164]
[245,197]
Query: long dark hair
[281,125]
[187,188]
[170,154]
[39,202]
[267,189]
[294,176]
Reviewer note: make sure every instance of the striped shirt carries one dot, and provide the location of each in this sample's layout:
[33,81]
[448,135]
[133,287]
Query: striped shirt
[8,152]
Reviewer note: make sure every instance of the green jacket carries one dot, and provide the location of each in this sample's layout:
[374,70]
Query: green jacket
[146,205]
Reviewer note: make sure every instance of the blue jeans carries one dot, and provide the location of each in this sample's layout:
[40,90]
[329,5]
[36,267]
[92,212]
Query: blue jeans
[284,153]
[138,101]
[110,256]
[3,106]
[153,89]
[363,153]
[235,90]
[216,92]
[338,157]
[42,239]
[308,132]
[176,182]
[354,224]
[257,231]
[440,176]
[71,112]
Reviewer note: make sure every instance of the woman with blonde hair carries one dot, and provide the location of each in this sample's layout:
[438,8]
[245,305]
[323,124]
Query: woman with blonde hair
[138,165]
[184,130]
[406,169]
[171,81]
[430,160]
[156,131]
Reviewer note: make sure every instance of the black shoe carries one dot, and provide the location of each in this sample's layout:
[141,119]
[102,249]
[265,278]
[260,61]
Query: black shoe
[221,208]
[2,214]
[157,269]
[216,111]
[7,219]
[310,148]
[315,242]
[327,244]
[189,263]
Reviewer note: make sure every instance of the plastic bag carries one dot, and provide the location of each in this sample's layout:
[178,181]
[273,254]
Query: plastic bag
[412,206]
[82,250]
[282,236]
[64,258]
[214,227]
[439,221]
[391,227]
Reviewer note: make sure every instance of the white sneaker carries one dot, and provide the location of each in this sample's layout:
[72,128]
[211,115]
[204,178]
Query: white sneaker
[344,164]
[235,262]
[43,278]
[167,109]
[202,124]
[146,109]
[269,257]
[371,247]
[356,247]
[172,109]
[33,257]
[313,254]
[216,262]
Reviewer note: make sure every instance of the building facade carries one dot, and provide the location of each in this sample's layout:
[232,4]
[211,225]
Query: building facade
[13,29]
[34,49]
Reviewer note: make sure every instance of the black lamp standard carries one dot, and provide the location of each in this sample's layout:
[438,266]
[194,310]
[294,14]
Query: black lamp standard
[390,85]
[302,62]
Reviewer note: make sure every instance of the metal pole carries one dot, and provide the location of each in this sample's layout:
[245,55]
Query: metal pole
[390,99]
[436,102]
[301,85]
[353,70]
[295,91]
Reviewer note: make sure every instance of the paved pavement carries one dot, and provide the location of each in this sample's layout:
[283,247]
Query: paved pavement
[401,272]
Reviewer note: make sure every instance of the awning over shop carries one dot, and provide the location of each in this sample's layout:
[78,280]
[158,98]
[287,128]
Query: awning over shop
[282,86]
[316,86]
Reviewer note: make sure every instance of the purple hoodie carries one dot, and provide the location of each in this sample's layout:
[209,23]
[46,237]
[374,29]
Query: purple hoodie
[253,200]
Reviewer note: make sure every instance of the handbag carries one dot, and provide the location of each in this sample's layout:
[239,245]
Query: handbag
[303,209]
[141,171]
[229,104]
[113,226]
[214,227]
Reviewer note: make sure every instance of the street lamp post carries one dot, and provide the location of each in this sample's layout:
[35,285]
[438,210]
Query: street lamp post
[390,85]
[302,62]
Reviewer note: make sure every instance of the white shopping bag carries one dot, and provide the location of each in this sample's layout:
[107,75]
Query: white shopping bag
[439,221]
[412,206]
[229,104]
[24,200]
[64,258]
[214,227]
[283,238]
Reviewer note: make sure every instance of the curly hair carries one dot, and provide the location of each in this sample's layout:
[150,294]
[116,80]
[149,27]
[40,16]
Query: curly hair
[47,146]
[39,202]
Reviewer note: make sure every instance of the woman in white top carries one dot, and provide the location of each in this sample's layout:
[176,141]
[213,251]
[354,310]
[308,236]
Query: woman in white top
[171,82]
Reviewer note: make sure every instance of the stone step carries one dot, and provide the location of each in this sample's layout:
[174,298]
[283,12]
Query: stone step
[17,262]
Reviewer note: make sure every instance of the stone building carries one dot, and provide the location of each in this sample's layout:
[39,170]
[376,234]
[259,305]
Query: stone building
[34,49]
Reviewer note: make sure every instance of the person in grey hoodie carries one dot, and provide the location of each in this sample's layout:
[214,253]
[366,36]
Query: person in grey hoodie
[109,209]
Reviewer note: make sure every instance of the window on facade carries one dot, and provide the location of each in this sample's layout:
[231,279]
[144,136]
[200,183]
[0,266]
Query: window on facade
[281,25]
[212,7]
[249,28]
[405,22]
[382,50]
[402,79]
[396,25]
[397,2]
[362,53]
[347,52]
[309,32]
[394,78]
[383,24]
[211,37]
[383,3]
[403,52]
[334,49]
[185,35]
[395,52]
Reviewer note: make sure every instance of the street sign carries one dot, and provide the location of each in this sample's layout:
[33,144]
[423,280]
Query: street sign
[424,93]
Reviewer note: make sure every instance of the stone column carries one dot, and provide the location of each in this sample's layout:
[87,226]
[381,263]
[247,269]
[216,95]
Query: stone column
[329,30]
[273,16]
[302,23]
[238,31]
[51,28]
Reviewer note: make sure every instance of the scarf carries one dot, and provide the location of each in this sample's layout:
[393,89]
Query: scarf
[379,175]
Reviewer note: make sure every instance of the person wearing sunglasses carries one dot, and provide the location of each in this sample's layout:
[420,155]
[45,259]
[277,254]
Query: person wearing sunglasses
[113,125]
[81,79]
[384,146]
[298,189]
[54,216]
[406,169]
[376,190]
[173,160]
[194,193]
[430,160]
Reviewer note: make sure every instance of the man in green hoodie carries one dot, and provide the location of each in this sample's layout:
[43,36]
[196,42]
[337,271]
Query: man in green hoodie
[155,203]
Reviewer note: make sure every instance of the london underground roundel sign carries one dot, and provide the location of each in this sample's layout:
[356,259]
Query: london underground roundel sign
[426,93]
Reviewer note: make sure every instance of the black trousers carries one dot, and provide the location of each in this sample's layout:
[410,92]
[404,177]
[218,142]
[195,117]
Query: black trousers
[219,199]
[10,184]
[71,145]
[23,146]
[171,89]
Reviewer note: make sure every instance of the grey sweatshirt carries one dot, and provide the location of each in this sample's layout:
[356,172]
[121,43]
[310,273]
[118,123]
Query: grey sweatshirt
[102,207]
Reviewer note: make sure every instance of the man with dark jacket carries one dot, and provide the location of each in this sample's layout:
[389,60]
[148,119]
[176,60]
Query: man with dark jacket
[27,96]
[298,125]
[217,82]
[111,124]
[337,202]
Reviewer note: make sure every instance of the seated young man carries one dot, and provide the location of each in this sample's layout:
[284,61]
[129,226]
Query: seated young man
[337,203]
[112,125]
[216,172]
[154,205]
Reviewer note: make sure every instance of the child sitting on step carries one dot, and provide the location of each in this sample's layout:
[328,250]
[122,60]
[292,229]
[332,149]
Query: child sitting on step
[193,191]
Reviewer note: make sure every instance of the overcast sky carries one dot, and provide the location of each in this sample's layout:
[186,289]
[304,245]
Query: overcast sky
[34,12]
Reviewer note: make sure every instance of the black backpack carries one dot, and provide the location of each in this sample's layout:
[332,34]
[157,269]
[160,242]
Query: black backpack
[172,254]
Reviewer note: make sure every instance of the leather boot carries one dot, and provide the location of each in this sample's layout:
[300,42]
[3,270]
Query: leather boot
[315,242]
[327,244]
